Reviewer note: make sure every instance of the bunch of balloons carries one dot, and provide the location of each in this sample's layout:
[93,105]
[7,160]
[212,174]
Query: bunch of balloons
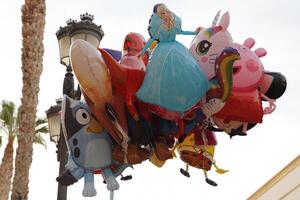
[158,97]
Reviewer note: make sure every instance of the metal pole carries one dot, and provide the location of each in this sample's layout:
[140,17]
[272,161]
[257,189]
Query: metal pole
[63,157]
[68,89]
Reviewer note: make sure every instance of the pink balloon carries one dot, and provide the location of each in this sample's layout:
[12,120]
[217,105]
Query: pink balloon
[248,72]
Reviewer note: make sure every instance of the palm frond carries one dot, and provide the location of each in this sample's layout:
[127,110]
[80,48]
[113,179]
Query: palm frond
[8,115]
[40,121]
[38,139]
[9,105]
[10,118]
[41,126]
[3,128]
[43,129]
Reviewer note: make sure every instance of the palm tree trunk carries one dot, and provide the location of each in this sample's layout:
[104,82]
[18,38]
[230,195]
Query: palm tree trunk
[6,169]
[33,18]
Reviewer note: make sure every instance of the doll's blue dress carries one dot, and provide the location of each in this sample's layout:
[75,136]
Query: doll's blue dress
[173,79]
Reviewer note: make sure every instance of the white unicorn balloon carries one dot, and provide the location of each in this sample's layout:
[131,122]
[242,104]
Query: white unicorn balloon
[209,42]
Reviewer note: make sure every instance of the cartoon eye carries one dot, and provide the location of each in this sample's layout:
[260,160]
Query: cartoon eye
[203,47]
[243,48]
[82,116]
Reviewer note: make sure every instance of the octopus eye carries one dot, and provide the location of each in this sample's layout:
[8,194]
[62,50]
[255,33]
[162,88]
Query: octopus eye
[203,47]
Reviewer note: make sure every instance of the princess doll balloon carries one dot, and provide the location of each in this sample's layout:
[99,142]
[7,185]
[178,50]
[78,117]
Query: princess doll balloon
[173,80]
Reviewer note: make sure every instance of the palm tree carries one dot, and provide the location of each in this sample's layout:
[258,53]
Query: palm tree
[9,124]
[33,25]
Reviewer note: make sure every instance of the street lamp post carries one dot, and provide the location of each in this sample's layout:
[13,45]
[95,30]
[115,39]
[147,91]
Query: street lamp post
[86,30]
[53,116]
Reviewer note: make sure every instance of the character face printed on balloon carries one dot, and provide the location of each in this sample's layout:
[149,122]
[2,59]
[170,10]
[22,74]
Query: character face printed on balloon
[248,72]
[209,42]
[164,12]
[166,15]
[133,44]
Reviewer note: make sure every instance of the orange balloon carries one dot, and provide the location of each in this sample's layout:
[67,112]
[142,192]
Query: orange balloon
[91,71]
[95,81]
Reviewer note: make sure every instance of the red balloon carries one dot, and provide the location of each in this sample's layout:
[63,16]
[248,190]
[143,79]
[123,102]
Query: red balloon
[209,136]
[125,81]
[243,107]
[133,45]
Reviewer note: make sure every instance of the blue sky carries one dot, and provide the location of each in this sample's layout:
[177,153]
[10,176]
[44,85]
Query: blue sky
[252,160]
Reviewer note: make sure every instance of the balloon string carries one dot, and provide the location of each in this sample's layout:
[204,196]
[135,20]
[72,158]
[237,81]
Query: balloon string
[111,195]
[205,141]
[125,141]
[63,126]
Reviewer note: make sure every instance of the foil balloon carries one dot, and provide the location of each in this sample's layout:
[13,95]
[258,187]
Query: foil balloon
[95,81]
[224,71]
[173,79]
[126,79]
[133,45]
[244,105]
[209,43]
[197,150]
[249,71]
[89,148]
[273,85]
[90,70]
[251,86]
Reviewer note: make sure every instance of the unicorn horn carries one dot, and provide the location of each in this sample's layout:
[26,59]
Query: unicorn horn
[215,21]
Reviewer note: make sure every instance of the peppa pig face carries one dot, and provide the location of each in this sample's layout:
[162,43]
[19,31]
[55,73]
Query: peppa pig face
[248,71]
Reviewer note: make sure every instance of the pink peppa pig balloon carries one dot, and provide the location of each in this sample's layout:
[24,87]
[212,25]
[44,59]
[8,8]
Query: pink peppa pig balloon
[248,72]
